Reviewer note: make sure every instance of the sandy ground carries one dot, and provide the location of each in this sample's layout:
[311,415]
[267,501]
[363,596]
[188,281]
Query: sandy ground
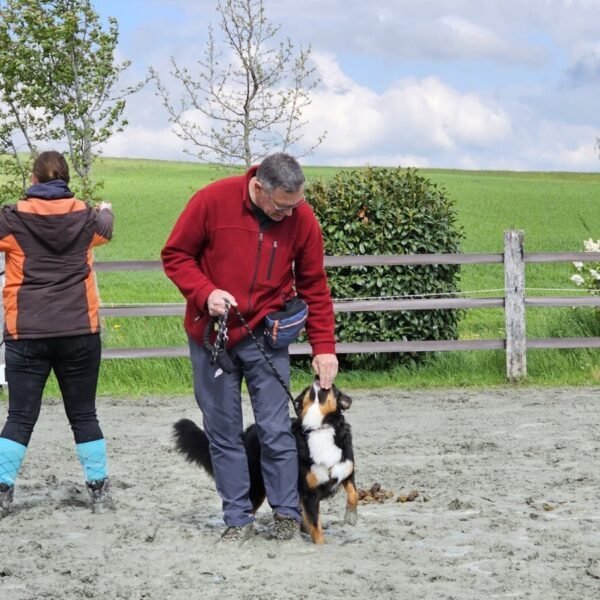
[508,484]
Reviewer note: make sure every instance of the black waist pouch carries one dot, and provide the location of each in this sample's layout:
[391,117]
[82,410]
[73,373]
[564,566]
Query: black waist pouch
[284,326]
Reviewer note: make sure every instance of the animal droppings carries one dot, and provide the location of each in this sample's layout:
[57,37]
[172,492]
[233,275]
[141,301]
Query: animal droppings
[375,493]
[410,497]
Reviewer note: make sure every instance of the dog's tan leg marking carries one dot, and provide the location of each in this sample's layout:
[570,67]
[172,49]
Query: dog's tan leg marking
[312,480]
[317,534]
[315,531]
[351,516]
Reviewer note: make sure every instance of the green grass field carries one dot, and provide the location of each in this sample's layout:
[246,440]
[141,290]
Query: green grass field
[556,211]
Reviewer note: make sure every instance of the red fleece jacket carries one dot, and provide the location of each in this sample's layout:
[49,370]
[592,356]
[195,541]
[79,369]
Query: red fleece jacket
[217,243]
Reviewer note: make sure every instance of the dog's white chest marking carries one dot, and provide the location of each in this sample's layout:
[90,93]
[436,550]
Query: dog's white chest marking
[323,450]
[327,456]
[313,419]
[342,470]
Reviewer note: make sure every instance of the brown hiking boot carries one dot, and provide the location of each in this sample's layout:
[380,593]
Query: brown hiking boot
[286,528]
[238,534]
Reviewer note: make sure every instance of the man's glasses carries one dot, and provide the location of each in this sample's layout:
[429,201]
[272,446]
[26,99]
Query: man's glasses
[284,208]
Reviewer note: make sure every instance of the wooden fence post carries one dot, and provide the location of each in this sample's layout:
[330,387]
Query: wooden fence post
[514,305]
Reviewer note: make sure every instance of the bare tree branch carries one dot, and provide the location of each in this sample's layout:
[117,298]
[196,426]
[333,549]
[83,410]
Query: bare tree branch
[252,105]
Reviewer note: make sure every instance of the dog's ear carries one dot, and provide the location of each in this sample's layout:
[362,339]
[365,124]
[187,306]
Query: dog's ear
[344,400]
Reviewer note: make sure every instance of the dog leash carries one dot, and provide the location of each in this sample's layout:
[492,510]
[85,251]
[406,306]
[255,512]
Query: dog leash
[218,350]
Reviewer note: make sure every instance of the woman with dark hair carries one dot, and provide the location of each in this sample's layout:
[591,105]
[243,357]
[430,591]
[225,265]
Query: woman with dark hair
[51,320]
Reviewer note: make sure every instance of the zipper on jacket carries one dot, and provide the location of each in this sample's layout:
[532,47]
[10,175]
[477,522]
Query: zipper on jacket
[260,241]
[272,260]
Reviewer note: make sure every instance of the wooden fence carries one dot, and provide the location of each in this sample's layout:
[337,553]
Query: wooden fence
[514,302]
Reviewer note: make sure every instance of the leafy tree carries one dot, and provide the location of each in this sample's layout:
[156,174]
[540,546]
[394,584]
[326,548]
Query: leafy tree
[21,126]
[241,109]
[59,70]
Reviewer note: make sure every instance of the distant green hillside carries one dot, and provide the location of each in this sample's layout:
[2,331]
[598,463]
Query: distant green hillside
[556,211]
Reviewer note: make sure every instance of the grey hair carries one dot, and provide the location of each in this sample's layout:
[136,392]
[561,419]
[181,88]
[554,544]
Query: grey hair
[280,170]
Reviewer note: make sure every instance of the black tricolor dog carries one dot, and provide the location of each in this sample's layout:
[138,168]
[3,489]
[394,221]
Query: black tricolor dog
[325,454]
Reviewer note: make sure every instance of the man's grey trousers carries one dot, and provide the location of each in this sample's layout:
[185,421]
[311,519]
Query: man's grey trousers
[219,399]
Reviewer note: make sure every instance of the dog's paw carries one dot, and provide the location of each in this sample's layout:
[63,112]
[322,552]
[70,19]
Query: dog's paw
[351,516]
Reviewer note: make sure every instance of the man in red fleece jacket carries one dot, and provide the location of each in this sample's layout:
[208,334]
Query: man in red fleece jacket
[254,242]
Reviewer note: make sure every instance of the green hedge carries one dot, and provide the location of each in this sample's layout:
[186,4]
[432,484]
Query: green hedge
[388,211]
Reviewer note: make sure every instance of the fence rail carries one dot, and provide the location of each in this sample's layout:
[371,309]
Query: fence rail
[178,309]
[366,347]
[514,302]
[385,260]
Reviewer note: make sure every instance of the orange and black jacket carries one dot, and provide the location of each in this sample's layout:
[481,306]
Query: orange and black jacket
[50,289]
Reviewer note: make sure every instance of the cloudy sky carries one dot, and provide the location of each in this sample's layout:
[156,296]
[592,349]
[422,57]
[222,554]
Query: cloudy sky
[474,84]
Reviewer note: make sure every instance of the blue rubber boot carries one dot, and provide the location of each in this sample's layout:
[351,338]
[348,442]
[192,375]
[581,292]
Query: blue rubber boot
[92,456]
[11,456]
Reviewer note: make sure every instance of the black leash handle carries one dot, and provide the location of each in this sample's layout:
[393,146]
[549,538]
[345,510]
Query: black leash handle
[262,351]
[222,337]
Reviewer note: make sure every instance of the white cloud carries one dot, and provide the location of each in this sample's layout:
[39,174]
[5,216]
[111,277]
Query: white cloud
[415,122]
[350,113]
[145,142]
[563,146]
[447,83]
[378,160]
[459,37]
[446,116]
[412,117]
[444,30]
[581,158]
[503,29]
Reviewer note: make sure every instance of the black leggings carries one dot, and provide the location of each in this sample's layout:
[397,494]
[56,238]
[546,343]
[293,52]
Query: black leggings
[76,363]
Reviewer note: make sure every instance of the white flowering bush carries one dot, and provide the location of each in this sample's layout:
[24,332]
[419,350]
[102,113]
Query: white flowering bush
[587,274]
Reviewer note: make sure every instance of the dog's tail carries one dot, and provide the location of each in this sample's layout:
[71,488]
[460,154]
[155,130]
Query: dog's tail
[192,442]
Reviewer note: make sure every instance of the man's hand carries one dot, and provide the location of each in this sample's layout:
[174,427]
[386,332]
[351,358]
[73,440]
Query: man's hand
[103,205]
[216,302]
[326,367]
